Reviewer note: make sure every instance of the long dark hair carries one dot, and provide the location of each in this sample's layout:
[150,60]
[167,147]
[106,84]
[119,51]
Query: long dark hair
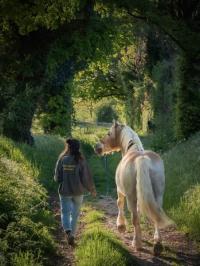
[72,147]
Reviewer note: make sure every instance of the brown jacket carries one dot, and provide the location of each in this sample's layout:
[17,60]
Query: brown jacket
[74,178]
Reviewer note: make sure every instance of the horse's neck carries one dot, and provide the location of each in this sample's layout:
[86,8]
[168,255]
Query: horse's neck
[130,141]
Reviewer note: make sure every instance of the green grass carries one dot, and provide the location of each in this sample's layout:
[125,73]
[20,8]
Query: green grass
[98,246]
[43,156]
[24,259]
[182,195]
[104,175]
[26,174]
[26,223]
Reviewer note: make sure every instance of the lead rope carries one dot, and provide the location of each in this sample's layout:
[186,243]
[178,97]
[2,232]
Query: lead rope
[106,174]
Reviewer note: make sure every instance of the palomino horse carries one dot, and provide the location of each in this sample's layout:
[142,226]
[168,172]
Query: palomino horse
[140,178]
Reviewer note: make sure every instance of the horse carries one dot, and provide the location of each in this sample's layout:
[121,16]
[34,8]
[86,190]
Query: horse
[140,179]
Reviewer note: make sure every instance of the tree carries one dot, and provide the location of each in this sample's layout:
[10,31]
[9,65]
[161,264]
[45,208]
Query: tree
[180,20]
[27,33]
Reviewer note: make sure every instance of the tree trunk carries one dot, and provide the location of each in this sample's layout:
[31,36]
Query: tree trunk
[188,98]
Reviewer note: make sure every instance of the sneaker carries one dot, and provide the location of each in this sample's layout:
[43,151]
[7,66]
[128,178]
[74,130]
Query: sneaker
[68,232]
[71,240]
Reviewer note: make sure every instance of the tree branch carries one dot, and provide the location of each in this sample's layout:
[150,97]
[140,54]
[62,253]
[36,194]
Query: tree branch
[159,26]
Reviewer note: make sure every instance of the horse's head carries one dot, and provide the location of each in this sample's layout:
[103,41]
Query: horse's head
[111,141]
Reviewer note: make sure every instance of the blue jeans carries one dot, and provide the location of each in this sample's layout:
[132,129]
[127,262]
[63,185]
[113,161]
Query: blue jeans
[70,209]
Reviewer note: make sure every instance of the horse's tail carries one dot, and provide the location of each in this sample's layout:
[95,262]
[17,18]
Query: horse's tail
[145,194]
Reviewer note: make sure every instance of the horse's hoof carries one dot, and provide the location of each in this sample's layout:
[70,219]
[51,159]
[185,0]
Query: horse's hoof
[157,249]
[121,228]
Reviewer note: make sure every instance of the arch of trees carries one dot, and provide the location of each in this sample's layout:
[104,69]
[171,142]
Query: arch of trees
[139,51]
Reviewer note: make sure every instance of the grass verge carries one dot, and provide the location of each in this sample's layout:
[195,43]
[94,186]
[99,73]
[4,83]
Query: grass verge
[182,194]
[26,223]
[98,246]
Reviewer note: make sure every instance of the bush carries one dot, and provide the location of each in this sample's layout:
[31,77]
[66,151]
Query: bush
[182,194]
[25,221]
[106,114]
[25,235]
[57,117]
[25,259]
[187,214]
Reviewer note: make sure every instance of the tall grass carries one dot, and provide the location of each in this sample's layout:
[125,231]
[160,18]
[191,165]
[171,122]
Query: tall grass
[25,259]
[25,220]
[98,246]
[43,156]
[182,195]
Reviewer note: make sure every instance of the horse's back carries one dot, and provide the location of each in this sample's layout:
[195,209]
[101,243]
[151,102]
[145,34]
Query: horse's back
[126,171]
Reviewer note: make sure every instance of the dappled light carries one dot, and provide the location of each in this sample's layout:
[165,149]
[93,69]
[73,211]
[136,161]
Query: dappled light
[123,79]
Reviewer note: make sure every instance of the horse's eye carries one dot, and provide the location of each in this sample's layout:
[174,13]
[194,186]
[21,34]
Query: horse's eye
[109,134]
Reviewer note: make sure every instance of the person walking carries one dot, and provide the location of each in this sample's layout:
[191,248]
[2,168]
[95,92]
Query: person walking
[74,177]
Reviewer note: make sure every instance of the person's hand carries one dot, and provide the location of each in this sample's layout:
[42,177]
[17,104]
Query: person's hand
[94,193]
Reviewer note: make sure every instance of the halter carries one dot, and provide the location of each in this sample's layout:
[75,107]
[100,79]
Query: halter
[130,144]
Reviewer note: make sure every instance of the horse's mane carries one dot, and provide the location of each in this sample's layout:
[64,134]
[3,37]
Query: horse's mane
[128,135]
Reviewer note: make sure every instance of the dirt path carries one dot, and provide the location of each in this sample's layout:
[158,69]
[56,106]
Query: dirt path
[65,252]
[178,249]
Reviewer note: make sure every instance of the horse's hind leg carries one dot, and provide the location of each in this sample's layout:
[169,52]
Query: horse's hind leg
[120,219]
[132,206]
[158,248]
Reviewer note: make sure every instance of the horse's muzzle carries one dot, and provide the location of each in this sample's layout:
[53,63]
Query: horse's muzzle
[98,149]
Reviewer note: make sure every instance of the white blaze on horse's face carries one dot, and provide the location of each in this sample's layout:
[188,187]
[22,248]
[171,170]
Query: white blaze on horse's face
[109,143]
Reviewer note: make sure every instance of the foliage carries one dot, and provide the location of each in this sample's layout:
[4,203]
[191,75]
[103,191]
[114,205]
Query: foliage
[25,221]
[177,21]
[44,156]
[25,259]
[188,98]
[187,214]
[18,117]
[28,17]
[181,196]
[104,48]
[28,31]
[106,114]
[99,78]
[27,235]
[58,115]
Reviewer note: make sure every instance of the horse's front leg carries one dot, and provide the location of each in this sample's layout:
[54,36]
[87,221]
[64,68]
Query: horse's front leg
[132,206]
[120,218]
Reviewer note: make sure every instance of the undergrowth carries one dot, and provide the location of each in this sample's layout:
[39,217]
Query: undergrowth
[25,220]
[182,194]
